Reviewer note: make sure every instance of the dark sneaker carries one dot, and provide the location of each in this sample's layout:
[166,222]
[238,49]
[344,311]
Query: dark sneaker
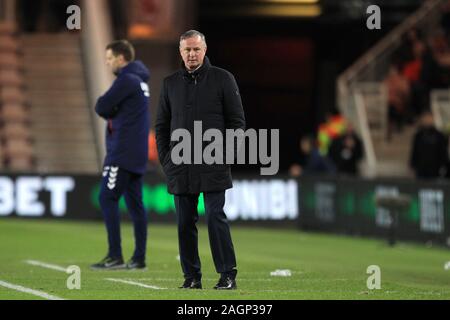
[191,284]
[226,283]
[109,263]
[136,264]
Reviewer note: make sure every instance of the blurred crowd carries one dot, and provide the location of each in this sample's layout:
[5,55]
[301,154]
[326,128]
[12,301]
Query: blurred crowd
[421,64]
[335,149]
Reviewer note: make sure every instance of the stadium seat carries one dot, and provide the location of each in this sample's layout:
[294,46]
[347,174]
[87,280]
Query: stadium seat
[15,148]
[15,131]
[13,113]
[16,152]
[2,164]
[12,95]
[7,28]
[11,78]
[8,44]
[20,163]
[9,61]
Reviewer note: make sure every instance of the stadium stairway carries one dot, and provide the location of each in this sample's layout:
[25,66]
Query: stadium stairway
[62,125]
[393,155]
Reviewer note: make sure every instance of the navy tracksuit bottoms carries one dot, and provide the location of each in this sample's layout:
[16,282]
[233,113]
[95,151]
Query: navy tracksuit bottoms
[115,183]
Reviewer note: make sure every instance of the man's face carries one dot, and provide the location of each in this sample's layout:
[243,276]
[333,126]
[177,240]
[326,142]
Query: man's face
[427,120]
[115,63]
[192,52]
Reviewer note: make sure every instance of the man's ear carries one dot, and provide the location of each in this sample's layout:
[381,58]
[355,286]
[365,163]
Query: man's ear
[122,59]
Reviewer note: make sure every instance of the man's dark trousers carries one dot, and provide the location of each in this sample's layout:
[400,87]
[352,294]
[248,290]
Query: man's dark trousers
[115,183]
[218,229]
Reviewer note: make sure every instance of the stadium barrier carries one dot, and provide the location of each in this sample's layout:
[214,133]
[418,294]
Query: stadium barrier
[253,200]
[348,206]
[327,204]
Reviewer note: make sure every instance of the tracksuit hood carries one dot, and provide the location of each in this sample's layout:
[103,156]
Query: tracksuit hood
[137,68]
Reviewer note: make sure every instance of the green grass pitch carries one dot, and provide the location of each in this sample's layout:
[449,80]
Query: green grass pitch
[323,266]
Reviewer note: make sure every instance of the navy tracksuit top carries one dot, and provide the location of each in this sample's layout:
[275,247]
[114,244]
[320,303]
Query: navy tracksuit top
[126,108]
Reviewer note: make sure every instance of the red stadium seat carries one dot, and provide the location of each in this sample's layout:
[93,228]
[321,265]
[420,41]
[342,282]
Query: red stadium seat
[7,28]
[16,131]
[15,148]
[20,163]
[2,157]
[12,95]
[9,60]
[11,78]
[13,112]
[8,44]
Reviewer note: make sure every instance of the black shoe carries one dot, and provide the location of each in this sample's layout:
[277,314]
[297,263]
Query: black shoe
[226,283]
[135,264]
[109,263]
[191,284]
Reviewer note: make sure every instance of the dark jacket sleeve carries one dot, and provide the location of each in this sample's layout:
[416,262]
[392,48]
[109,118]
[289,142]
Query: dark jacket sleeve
[333,150]
[234,117]
[443,151]
[162,124]
[233,110]
[359,150]
[108,104]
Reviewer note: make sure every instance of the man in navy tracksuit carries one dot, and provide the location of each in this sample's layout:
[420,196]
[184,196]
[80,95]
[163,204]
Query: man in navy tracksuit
[125,107]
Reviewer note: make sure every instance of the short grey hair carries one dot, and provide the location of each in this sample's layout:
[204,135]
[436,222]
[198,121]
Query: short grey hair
[191,34]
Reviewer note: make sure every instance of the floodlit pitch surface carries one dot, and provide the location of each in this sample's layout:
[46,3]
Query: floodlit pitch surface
[322,266]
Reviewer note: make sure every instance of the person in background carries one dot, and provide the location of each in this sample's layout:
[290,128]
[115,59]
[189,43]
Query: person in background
[411,70]
[398,98]
[309,160]
[330,129]
[125,108]
[346,151]
[429,153]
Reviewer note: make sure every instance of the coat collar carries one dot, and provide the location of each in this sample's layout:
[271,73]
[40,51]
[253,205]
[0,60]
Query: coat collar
[204,67]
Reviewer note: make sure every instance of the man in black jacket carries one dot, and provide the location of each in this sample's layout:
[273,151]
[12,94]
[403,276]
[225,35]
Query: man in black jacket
[429,154]
[199,92]
[346,151]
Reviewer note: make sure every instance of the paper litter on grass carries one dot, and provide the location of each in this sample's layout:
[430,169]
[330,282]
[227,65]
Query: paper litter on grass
[281,273]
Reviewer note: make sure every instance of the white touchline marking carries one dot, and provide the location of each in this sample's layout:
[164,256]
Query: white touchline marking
[271,279]
[135,283]
[209,279]
[46,265]
[30,291]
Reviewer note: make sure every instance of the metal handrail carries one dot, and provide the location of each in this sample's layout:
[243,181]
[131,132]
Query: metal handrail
[440,106]
[364,131]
